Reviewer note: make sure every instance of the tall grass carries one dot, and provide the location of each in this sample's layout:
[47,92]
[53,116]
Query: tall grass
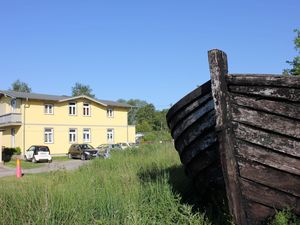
[137,186]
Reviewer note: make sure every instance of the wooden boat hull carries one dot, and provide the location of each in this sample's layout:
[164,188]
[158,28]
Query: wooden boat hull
[252,132]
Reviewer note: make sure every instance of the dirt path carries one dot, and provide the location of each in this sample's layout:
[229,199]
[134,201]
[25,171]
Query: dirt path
[59,165]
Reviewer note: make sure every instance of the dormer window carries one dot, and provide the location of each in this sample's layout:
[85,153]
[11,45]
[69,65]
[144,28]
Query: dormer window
[110,112]
[48,109]
[72,109]
[86,109]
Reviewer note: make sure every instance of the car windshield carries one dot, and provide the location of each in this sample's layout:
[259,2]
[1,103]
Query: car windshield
[86,146]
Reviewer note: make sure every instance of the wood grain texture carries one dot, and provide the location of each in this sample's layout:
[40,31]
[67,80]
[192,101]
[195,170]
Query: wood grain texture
[268,157]
[285,93]
[188,99]
[267,196]
[269,140]
[291,110]
[266,121]
[263,80]
[218,70]
[189,109]
[192,118]
[270,177]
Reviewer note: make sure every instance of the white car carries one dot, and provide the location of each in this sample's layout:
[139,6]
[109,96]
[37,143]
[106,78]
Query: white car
[38,153]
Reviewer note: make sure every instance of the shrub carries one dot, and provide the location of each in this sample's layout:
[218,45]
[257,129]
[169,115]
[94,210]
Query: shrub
[285,217]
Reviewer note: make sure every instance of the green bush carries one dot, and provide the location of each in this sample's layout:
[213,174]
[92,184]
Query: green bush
[285,217]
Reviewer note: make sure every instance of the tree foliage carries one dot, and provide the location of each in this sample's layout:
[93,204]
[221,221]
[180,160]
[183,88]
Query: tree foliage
[295,63]
[20,86]
[145,116]
[81,89]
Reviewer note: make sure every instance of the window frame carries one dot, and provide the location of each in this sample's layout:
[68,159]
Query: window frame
[46,109]
[73,133]
[47,139]
[110,112]
[111,132]
[86,109]
[72,108]
[86,131]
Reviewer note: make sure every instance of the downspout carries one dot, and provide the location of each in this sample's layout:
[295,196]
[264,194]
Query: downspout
[24,119]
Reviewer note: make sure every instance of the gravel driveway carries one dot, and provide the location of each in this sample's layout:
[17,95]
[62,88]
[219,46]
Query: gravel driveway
[59,165]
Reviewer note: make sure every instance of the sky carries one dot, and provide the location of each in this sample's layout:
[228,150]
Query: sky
[149,50]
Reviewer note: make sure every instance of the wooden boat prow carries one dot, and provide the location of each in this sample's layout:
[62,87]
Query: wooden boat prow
[242,130]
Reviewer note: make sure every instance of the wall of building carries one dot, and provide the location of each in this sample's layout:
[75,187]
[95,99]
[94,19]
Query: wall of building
[36,121]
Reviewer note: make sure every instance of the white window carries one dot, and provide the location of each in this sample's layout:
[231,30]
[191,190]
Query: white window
[72,135]
[110,135]
[110,112]
[48,109]
[86,135]
[86,109]
[72,108]
[48,135]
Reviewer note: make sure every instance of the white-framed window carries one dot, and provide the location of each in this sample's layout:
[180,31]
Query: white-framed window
[72,135]
[86,135]
[48,109]
[48,135]
[72,108]
[110,135]
[110,112]
[86,109]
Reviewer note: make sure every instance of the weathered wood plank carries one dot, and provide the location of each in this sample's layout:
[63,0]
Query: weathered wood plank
[188,109]
[267,139]
[206,123]
[270,177]
[201,144]
[203,160]
[218,70]
[269,158]
[192,118]
[257,213]
[188,99]
[266,121]
[263,80]
[290,94]
[281,108]
[268,196]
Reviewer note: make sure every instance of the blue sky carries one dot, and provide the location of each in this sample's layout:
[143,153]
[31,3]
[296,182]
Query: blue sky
[150,50]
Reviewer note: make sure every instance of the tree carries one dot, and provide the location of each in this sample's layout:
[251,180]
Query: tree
[136,104]
[81,89]
[20,86]
[295,63]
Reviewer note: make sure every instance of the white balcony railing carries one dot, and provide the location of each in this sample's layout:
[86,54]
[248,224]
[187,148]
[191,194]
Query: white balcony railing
[10,118]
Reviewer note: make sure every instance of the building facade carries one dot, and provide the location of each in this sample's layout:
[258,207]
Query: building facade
[58,121]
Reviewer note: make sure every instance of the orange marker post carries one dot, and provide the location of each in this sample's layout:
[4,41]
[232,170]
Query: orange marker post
[18,169]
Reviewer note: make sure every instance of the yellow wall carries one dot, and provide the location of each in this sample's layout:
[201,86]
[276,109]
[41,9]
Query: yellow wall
[5,105]
[98,123]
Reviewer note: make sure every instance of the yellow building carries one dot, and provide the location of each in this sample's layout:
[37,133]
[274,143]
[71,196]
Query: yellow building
[58,121]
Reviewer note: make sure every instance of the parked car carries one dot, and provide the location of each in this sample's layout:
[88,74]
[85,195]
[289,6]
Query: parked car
[82,151]
[124,145]
[38,153]
[102,146]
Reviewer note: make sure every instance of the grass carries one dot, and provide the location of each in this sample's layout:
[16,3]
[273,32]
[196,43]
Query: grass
[138,186]
[24,164]
[132,187]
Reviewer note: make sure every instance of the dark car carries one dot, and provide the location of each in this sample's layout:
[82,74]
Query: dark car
[82,151]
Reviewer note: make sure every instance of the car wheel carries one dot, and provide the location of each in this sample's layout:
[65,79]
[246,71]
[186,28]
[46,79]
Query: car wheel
[83,157]
[50,161]
[34,160]
[70,156]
